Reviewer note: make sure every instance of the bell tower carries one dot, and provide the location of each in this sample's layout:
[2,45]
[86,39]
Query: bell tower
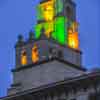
[58,18]
[55,38]
[55,35]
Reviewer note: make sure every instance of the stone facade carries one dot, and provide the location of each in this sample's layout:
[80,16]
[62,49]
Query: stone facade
[84,87]
[43,74]
[44,46]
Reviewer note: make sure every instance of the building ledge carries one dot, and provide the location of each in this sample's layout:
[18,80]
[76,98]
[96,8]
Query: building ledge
[47,61]
[80,80]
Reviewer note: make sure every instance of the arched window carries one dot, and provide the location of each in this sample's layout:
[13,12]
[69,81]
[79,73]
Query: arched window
[35,54]
[68,12]
[23,58]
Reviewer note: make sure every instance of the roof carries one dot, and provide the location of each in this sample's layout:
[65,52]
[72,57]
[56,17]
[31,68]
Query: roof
[95,76]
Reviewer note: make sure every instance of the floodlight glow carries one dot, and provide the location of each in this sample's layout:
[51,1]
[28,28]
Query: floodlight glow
[23,58]
[35,54]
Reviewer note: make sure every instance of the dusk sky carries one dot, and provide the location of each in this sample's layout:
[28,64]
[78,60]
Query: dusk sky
[19,16]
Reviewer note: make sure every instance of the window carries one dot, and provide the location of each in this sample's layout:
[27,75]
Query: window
[23,58]
[68,12]
[35,54]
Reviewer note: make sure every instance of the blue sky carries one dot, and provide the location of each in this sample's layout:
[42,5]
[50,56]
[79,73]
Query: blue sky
[18,17]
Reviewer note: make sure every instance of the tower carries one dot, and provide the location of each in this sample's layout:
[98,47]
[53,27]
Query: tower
[56,34]
[58,18]
[53,48]
[48,64]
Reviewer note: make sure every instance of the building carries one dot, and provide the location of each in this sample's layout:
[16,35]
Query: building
[48,64]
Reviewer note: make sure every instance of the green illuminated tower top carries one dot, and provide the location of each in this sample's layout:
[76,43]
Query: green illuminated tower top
[58,19]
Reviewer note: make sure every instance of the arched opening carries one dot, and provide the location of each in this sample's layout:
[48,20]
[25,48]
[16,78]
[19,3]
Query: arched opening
[35,54]
[68,12]
[23,58]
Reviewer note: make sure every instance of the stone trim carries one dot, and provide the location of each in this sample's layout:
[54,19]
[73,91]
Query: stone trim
[47,61]
[66,84]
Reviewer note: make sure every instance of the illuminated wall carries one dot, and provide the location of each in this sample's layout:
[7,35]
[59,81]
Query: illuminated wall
[38,28]
[49,27]
[39,13]
[55,29]
[60,31]
[45,13]
[73,40]
[49,9]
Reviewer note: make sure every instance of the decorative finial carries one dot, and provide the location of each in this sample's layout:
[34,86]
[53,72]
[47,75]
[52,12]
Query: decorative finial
[20,38]
[31,36]
[20,41]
